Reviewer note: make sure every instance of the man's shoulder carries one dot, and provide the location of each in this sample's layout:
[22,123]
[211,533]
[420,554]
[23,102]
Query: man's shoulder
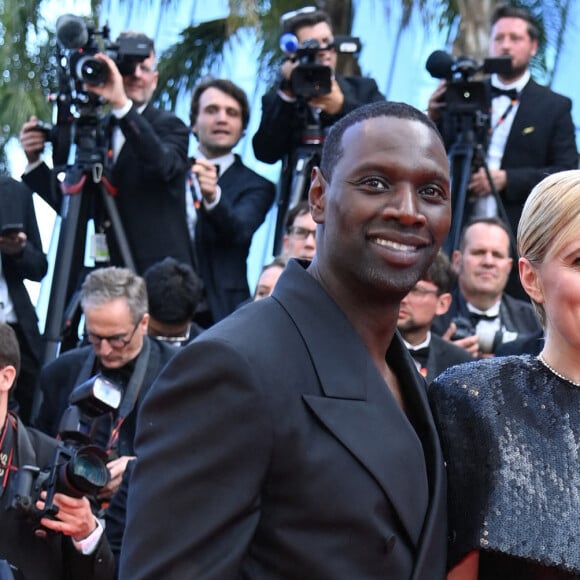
[71,358]
[536,90]
[240,170]
[155,114]
[453,353]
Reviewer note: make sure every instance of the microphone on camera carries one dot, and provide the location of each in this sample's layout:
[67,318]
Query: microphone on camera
[71,31]
[440,64]
[288,42]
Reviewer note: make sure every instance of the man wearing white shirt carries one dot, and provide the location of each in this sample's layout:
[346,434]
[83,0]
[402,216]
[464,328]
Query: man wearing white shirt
[231,199]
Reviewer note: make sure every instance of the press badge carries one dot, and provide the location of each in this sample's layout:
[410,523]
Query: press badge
[99,248]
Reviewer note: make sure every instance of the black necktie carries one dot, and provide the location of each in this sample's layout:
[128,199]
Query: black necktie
[497,92]
[420,355]
[475,317]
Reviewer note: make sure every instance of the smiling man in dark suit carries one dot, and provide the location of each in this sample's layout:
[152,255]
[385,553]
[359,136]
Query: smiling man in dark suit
[148,147]
[231,199]
[294,438]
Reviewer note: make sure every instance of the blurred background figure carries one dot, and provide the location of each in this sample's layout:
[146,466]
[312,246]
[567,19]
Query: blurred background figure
[268,278]
[174,292]
[299,241]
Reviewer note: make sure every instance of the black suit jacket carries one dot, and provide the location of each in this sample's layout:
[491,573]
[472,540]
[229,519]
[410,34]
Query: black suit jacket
[53,557]
[16,202]
[281,125]
[58,378]
[515,315]
[150,175]
[223,236]
[287,455]
[442,355]
[541,141]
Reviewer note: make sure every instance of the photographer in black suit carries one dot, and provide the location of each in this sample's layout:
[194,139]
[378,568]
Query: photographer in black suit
[282,124]
[149,149]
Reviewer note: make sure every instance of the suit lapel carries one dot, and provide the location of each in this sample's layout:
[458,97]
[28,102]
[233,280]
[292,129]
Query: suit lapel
[356,406]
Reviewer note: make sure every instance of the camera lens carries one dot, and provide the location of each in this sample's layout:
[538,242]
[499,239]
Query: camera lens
[86,472]
[91,70]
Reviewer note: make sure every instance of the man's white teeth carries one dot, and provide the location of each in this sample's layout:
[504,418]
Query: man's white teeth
[395,245]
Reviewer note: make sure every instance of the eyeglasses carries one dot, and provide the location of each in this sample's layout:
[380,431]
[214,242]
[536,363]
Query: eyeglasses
[301,233]
[116,341]
[420,292]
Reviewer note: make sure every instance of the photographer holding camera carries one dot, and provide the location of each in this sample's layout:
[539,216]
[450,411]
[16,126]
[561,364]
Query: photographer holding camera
[281,125]
[71,545]
[532,133]
[147,147]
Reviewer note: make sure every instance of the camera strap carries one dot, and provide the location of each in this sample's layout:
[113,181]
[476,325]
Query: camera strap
[504,115]
[7,450]
[131,392]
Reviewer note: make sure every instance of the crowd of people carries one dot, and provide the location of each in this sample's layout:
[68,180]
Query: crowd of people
[373,408]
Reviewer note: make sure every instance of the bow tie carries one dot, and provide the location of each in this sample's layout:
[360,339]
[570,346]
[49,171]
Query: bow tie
[475,317]
[420,355]
[497,92]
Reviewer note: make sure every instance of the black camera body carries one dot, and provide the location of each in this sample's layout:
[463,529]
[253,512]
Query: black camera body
[310,78]
[78,468]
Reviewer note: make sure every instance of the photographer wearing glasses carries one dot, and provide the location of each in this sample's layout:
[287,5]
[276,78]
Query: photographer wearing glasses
[115,306]
[300,238]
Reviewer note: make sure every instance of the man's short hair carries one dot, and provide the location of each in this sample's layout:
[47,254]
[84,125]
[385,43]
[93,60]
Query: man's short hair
[301,208]
[491,221]
[509,11]
[441,273]
[9,348]
[302,19]
[106,284]
[332,150]
[174,291]
[225,86]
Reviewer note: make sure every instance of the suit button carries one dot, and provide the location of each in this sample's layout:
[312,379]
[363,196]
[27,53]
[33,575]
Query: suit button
[390,544]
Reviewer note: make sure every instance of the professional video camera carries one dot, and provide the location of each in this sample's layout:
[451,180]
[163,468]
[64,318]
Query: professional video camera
[79,39]
[79,468]
[309,78]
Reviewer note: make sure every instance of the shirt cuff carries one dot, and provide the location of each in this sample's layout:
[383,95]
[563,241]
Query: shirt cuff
[32,166]
[285,97]
[89,544]
[218,195]
[120,113]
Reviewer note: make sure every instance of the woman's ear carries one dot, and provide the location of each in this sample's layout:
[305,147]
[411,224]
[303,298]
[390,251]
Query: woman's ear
[530,280]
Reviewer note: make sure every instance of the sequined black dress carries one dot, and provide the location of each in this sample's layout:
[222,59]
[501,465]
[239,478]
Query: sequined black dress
[510,431]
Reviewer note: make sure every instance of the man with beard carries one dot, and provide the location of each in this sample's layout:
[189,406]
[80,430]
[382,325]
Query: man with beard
[294,439]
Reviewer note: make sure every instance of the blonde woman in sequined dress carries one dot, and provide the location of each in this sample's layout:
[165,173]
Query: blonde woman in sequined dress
[510,427]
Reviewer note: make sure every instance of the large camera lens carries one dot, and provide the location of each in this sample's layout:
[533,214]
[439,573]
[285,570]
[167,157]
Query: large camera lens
[91,70]
[85,473]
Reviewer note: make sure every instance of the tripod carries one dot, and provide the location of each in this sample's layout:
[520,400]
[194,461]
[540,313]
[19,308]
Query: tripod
[87,193]
[467,152]
[300,163]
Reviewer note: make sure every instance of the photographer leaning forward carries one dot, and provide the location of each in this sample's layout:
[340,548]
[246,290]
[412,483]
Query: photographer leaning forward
[281,123]
[149,150]
[532,133]
[77,548]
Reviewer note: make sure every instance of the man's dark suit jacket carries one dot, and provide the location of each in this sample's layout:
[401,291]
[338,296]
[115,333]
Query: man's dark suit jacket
[541,141]
[515,315]
[442,355]
[287,455]
[281,127]
[53,557]
[223,236]
[58,378]
[30,265]
[150,174]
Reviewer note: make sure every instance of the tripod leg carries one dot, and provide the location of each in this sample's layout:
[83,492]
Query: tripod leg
[120,236]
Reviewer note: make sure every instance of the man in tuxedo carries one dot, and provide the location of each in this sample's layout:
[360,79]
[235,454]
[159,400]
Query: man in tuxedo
[285,115]
[114,302]
[430,297]
[294,438]
[231,200]
[489,318]
[148,151]
[22,259]
[532,128]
